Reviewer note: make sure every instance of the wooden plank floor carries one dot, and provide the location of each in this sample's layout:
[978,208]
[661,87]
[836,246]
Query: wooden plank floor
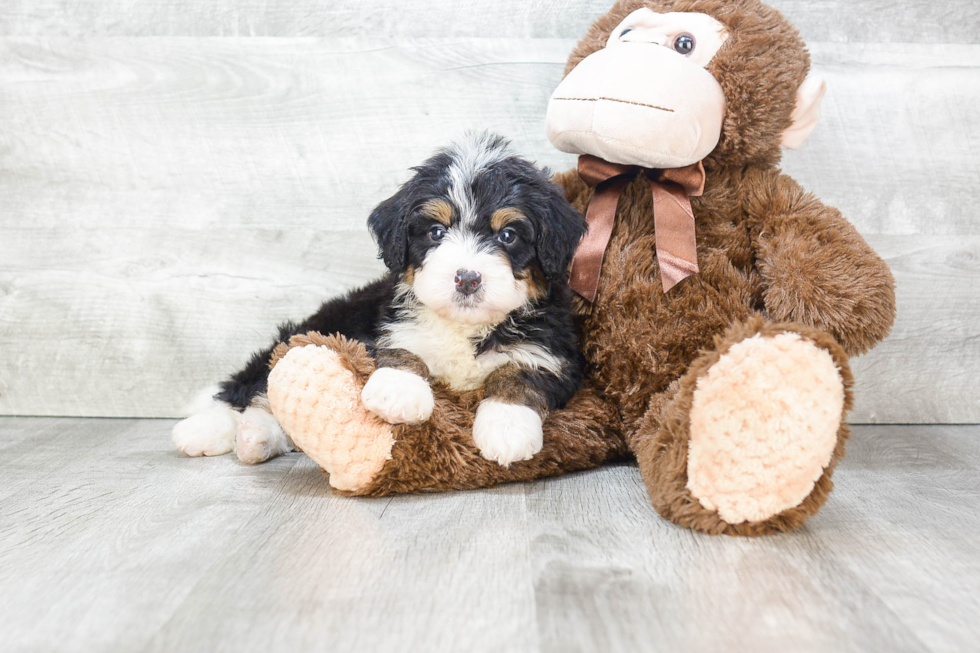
[109,541]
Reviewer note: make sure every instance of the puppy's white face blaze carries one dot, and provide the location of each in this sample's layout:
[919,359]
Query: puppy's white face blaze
[469,159]
[435,285]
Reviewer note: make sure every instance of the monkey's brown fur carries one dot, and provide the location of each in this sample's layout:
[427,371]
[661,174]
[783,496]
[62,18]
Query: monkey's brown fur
[439,454]
[772,259]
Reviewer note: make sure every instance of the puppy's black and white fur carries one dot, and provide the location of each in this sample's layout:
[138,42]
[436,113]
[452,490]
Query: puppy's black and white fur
[477,245]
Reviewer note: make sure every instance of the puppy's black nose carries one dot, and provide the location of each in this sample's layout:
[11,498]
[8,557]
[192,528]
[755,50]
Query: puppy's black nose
[468,281]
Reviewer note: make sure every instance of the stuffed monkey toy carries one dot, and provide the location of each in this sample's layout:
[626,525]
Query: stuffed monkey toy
[719,300]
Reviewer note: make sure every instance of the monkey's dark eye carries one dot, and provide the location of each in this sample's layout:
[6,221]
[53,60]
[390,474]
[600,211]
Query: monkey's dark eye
[507,235]
[436,233]
[684,44]
[625,32]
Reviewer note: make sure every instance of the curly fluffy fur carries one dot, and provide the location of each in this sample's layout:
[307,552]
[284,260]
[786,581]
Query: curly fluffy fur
[477,245]
[772,258]
[440,454]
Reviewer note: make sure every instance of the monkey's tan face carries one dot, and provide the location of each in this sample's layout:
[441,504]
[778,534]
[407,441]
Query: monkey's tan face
[646,98]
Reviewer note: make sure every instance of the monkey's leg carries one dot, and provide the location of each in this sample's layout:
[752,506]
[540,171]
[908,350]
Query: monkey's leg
[314,391]
[746,441]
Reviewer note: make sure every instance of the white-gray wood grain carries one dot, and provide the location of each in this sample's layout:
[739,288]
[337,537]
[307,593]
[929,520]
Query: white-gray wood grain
[165,202]
[863,21]
[110,541]
[926,370]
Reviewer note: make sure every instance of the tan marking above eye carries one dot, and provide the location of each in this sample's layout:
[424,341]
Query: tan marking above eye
[439,210]
[503,217]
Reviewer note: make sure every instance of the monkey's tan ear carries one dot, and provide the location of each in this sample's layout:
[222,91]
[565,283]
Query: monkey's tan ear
[806,115]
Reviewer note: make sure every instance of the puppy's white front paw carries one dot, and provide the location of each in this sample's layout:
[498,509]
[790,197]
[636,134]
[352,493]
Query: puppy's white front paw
[397,396]
[507,433]
[208,433]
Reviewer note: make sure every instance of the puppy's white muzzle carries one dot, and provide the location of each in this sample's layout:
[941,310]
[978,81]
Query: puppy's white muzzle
[445,281]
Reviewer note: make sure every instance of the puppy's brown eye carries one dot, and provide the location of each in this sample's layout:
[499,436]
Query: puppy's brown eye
[437,232]
[684,44]
[507,235]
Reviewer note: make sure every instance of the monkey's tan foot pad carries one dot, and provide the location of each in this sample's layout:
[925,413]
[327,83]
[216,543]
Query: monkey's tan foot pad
[316,400]
[764,424]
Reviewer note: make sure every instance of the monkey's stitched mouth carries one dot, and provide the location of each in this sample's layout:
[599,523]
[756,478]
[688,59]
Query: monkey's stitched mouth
[612,99]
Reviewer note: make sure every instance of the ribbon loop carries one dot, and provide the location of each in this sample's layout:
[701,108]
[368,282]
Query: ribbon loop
[673,220]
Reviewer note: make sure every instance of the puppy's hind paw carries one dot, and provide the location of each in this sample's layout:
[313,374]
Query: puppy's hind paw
[208,433]
[507,433]
[260,437]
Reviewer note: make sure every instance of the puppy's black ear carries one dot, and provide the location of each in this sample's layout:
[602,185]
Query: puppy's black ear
[558,235]
[388,223]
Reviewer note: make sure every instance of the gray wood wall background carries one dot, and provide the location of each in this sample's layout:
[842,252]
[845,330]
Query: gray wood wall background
[176,177]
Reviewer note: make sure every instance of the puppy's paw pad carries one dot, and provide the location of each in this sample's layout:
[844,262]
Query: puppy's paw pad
[397,396]
[260,437]
[208,433]
[507,433]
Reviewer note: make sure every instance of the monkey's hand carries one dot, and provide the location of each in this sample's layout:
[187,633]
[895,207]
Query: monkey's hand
[816,268]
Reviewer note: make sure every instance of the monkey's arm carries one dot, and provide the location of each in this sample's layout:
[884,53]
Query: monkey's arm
[816,268]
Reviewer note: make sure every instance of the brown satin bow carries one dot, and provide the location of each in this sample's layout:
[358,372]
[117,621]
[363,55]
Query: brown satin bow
[673,219]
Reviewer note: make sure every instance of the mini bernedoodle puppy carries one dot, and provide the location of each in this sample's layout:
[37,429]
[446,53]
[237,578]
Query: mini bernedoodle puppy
[477,245]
